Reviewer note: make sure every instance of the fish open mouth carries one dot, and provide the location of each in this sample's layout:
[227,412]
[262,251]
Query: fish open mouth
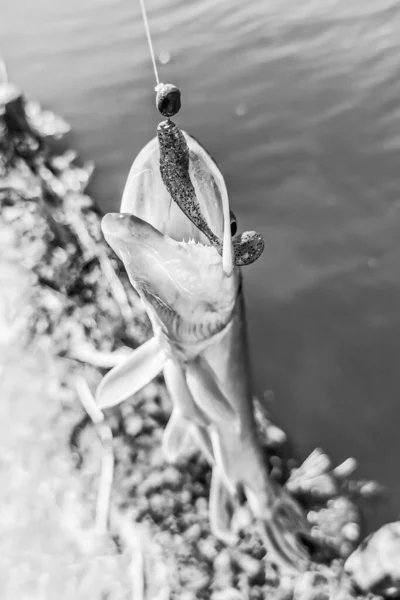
[175,174]
[174,272]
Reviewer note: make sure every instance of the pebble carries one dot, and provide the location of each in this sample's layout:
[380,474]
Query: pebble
[156,503]
[186,497]
[202,506]
[248,564]
[222,561]
[223,574]
[153,481]
[228,594]
[371,489]
[319,487]
[346,548]
[256,594]
[172,477]
[351,531]
[193,533]
[133,425]
[198,581]
[186,595]
[157,457]
[271,574]
[208,549]
[377,559]
[152,408]
[346,468]
[243,585]
[312,517]
[311,586]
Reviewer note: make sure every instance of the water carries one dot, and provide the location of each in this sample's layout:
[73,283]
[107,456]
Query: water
[299,103]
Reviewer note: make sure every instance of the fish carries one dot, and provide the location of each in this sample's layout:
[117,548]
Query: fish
[192,289]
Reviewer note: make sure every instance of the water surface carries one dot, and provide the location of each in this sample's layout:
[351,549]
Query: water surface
[299,103]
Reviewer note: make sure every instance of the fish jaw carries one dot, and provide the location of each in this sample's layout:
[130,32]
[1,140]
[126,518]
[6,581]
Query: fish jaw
[182,282]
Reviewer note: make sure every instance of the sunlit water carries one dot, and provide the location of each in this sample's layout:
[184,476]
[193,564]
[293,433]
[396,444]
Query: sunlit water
[299,102]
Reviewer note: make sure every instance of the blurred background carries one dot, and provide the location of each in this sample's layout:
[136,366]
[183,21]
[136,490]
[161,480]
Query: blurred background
[299,103]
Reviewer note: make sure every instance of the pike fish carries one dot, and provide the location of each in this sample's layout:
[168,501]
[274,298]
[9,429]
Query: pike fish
[172,236]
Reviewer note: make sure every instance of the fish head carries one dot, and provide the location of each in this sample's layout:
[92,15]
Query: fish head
[182,283]
[170,262]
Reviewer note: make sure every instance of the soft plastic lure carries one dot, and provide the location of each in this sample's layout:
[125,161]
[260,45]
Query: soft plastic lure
[174,168]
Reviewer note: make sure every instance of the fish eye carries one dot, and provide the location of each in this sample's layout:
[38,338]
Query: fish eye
[233,223]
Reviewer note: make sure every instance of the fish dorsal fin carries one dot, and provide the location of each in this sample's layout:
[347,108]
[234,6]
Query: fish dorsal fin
[127,378]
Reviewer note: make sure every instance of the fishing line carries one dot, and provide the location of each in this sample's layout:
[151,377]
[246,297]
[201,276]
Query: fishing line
[168,102]
[150,43]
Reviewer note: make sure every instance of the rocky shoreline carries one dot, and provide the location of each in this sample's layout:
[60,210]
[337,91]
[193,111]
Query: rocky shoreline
[74,299]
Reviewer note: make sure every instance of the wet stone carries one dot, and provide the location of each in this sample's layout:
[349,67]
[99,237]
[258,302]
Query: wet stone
[198,582]
[202,506]
[186,497]
[228,594]
[186,595]
[207,549]
[223,575]
[243,584]
[312,586]
[248,564]
[375,564]
[256,593]
[193,533]
[172,477]
[153,482]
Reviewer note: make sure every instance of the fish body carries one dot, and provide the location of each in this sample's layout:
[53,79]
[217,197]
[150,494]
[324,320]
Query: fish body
[200,343]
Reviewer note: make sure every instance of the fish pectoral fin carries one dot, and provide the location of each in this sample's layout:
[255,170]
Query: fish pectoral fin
[207,392]
[180,394]
[176,437]
[221,508]
[127,378]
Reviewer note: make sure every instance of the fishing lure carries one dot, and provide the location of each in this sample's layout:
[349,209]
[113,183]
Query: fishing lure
[174,168]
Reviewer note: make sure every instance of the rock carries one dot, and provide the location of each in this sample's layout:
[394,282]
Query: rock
[172,477]
[228,594]
[186,497]
[198,581]
[153,482]
[314,478]
[346,468]
[337,525]
[44,122]
[193,533]
[208,548]
[223,574]
[248,564]
[9,93]
[187,595]
[202,506]
[312,586]
[376,562]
